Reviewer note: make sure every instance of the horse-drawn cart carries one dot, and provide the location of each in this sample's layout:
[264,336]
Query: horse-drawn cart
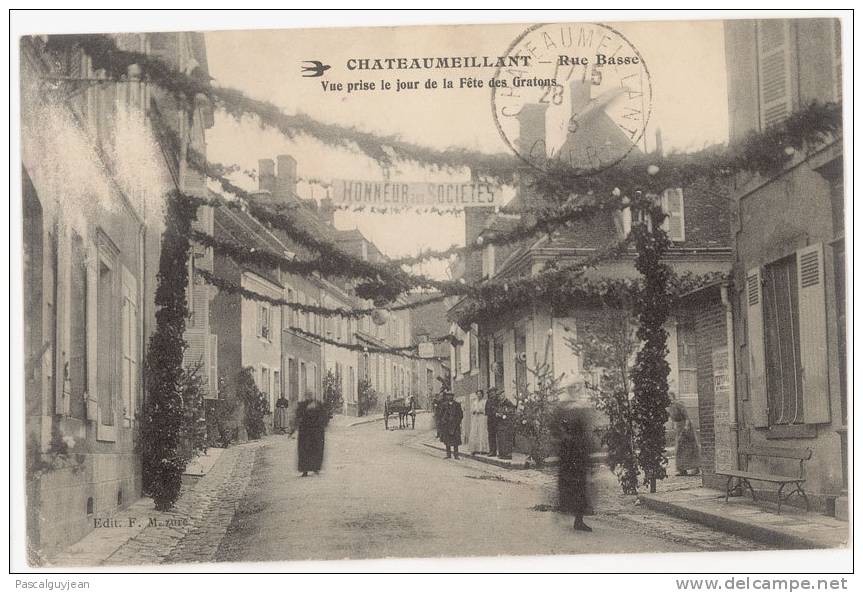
[404,407]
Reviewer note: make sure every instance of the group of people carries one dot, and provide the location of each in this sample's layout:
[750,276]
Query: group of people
[483,423]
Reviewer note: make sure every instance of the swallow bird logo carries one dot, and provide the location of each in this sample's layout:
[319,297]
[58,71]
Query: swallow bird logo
[315,68]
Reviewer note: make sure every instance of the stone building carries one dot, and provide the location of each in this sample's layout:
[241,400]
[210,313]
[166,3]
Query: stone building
[95,180]
[506,352]
[788,386]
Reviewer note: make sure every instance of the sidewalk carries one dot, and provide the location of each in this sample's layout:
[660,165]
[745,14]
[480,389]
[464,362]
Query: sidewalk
[521,460]
[793,529]
[191,531]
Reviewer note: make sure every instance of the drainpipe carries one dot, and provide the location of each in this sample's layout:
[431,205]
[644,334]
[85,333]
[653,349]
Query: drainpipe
[732,372]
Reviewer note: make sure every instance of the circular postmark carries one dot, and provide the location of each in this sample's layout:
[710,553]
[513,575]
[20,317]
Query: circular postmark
[580,95]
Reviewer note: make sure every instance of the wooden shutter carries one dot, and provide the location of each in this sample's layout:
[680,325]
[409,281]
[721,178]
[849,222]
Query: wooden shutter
[755,330]
[130,342]
[672,206]
[813,334]
[774,70]
[213,375]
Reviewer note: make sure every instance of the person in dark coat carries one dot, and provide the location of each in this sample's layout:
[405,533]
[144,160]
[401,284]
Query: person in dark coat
[491,418]
[451,415]
[570,430]
[311,421]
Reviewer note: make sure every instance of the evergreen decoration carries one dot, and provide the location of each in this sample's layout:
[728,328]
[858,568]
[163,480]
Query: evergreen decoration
[367,397]
[115,62]
[332,387]
[255,404]
[606,347]
[652,305]
[229,287]
[535,410]
[164,417]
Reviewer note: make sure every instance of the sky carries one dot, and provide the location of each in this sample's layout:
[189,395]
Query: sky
[686,61]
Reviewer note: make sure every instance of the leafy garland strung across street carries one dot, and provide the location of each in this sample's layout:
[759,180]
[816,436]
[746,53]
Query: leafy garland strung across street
[163,459]
[404,351]
[232,288]
[107,56]
[762,152]
[652,305]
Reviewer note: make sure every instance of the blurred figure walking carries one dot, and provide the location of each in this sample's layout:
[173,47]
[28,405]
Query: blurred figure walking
[311,422]
[570,431]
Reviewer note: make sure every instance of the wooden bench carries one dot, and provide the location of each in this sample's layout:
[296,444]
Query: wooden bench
[743,477]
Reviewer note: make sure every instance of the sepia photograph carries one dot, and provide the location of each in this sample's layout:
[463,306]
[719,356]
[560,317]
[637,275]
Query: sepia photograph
[431,291]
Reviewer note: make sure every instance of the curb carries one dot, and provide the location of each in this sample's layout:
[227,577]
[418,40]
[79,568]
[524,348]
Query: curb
[731,525]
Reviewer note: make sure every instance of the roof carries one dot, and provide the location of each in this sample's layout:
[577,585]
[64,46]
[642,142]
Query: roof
[243,228]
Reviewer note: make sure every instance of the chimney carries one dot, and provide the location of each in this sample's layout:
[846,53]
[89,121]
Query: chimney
[266,175]
[286,182]
[659,150]
[327,211]
[579,94]
[531,132]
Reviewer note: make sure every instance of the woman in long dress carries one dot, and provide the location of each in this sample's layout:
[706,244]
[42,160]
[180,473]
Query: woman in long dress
[312,419]
[478,424]
[687,456]
[570,429]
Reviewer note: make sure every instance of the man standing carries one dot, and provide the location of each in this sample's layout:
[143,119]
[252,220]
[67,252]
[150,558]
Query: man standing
[451,415]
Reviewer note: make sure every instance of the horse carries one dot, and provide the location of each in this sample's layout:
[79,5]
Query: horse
[404,407]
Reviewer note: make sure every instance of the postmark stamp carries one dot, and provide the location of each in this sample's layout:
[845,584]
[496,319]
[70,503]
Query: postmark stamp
[583,99]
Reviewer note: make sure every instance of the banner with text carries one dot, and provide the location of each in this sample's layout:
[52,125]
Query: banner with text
[405,194]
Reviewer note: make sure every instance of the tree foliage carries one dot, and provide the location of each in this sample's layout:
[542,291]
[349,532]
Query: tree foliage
[255,404]
[650,374]
[164,417]
[606,348]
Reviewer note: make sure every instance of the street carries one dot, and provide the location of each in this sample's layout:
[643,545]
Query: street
[383,494]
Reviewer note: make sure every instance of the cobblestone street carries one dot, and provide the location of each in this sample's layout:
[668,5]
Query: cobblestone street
[383,494]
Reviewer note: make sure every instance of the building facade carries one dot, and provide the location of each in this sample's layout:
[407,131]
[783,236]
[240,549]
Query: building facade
[95,182]
[508,352]
[789,258]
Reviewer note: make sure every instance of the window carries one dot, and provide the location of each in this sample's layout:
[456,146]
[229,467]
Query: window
[352,396]
[474,347]
[787,340]
[289,313]
[129,330]
[77,358]
[264,330]
[304,382]
[488,261]
[265,383]
[774,70]
[672,206]
[623,222]
[106,354]
[277,384]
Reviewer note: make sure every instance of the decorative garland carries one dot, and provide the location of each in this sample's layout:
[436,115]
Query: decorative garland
[230,287]
[652,305]
[163,415]
[107,56]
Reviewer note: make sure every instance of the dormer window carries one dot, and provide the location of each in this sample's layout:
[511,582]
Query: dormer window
[488,261]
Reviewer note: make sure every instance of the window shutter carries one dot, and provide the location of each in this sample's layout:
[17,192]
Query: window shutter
[213,376]
[755,329]
[813,334]
[774,73]
[672,206]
